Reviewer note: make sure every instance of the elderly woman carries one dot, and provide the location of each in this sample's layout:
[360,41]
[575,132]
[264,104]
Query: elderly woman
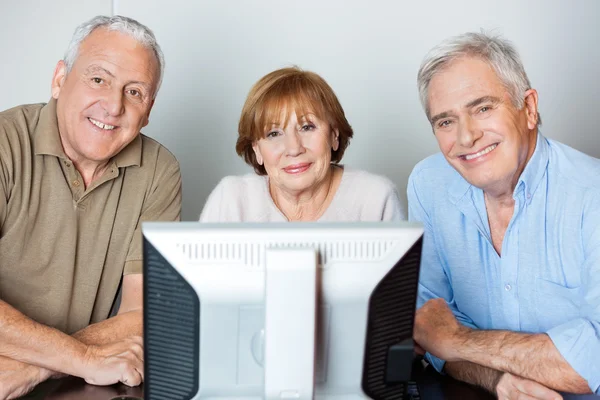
[294,133]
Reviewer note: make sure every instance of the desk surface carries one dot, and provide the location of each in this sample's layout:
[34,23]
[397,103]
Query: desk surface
[76,389]
[431,385]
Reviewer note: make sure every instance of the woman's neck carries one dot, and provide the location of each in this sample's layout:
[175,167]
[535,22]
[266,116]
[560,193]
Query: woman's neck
[311,204]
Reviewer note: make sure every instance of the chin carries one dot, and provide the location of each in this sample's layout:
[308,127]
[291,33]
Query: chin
[481,182]
[298,185]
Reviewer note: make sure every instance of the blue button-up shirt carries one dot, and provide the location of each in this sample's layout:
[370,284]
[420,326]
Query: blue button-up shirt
[548,277]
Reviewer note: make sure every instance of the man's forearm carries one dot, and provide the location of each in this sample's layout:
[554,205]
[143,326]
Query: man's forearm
[25,340]
[532,356]
[113,329]
[107,331]
[474,374]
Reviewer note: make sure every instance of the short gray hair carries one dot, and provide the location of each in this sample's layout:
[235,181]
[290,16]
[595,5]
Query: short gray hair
[128,26]
[499,53]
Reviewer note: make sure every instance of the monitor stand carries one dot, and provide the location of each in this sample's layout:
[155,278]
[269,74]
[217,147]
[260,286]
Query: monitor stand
[290,323]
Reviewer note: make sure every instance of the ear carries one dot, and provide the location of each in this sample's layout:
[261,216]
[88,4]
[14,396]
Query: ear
[147,119]
[257,153]
[531,108]
[58,79]
[335,139]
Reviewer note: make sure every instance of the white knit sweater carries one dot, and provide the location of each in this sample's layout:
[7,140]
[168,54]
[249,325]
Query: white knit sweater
[361,196]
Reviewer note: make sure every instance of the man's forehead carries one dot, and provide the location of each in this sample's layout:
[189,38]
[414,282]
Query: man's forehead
[112,50]
[104,41]
[462,81]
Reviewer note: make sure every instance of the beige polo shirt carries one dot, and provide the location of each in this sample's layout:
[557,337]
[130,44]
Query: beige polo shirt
[64,248]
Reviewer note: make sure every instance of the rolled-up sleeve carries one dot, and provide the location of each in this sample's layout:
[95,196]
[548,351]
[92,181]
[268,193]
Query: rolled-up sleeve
[578,340]
[579,343]
[433,280]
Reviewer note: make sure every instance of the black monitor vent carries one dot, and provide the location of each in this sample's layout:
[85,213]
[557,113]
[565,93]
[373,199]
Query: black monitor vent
[171,331]
[391,314]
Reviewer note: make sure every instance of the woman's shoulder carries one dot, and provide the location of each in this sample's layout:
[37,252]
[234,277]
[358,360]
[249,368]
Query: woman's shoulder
[241,184]
[233,198]
[364,196]
[361,179]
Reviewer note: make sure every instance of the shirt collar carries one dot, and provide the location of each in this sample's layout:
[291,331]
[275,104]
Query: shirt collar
[534,170]
[131,154]
[528,181]
[47,140]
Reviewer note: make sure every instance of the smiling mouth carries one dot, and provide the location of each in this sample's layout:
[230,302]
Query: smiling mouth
[295,169]
[483,152]
[100,125]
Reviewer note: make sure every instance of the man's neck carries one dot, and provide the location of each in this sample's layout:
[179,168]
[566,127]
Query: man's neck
[499,199]
[90,170]
[500,210]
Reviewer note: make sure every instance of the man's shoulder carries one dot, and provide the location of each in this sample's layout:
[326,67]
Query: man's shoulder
[20,119]
[574,166]
[28,111]
[157,153]
[17,128]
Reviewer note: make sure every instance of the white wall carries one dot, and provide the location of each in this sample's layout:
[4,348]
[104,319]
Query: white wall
[34,35]
[369,52]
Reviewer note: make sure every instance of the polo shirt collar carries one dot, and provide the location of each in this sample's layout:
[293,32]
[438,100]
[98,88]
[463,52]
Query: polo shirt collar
[47,138]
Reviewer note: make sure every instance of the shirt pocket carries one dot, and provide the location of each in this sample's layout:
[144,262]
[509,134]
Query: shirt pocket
[555,304]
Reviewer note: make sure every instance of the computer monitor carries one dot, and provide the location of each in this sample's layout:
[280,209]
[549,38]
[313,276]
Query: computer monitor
[205,308]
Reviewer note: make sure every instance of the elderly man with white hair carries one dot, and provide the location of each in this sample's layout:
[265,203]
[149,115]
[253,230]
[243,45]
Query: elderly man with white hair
[509,294]
[77,178]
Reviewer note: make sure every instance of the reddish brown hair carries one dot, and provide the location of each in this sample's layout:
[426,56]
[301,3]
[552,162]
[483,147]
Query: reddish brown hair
[275,96]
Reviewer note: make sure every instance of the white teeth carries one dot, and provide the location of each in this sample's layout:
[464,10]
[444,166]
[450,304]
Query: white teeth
[482,152]
[101,125]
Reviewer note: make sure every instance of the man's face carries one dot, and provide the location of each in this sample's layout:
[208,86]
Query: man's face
[479,131]
[106,98]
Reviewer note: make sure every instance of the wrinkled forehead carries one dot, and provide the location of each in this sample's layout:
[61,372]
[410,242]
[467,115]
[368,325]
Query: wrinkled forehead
[121,52]
[461,81]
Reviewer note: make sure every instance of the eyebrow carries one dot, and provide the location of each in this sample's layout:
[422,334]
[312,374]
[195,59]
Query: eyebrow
[481,100]
[473,103]
[442,115]
[96,68]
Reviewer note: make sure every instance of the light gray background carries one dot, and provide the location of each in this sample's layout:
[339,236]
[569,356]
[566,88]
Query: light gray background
[368,51]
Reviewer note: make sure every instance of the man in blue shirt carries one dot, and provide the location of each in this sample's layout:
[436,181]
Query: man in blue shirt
[509,294]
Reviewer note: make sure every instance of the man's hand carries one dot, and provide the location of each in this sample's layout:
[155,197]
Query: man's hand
[122,361]
[513,387]
[436,329]
[17,378]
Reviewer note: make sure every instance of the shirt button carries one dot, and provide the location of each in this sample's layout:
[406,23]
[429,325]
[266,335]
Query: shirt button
[67,164]
[528,195]
[75,183]
[507,287]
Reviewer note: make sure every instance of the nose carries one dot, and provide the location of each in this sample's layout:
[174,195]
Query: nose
[293,144]
[113,103]
[468,133]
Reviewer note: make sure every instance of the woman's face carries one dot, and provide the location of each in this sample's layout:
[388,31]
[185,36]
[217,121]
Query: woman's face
[297,155]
